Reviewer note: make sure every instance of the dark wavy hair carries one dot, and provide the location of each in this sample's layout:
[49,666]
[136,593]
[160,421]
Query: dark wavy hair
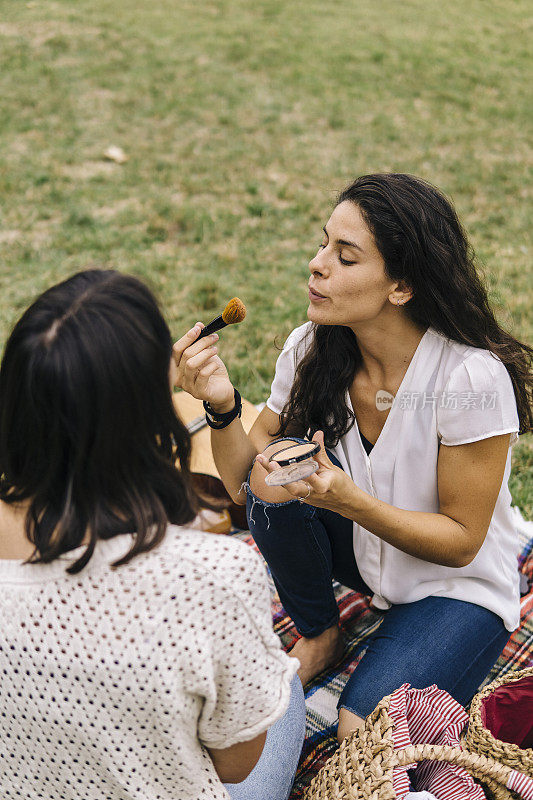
[422,243]
[88,431]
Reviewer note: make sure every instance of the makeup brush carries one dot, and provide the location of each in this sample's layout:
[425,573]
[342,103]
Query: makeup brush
[235,311]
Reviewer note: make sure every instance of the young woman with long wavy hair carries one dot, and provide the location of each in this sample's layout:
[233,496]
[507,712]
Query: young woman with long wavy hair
[415,393]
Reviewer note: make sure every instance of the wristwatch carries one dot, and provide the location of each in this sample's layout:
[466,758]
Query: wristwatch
[219,421]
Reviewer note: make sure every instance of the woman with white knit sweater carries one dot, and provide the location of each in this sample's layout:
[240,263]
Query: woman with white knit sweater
[138,658]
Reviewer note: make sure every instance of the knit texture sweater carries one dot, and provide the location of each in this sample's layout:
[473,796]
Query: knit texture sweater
[114,681]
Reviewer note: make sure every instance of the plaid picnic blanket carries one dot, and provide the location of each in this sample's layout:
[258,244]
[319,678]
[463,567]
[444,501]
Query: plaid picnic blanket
[358,621]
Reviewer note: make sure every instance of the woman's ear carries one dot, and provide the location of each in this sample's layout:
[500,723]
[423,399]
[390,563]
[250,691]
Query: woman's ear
[401,294]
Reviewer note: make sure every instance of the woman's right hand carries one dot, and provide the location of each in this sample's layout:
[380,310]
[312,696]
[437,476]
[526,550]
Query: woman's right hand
[201,372]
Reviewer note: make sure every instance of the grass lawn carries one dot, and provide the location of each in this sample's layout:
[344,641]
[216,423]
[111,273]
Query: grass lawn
[241,121]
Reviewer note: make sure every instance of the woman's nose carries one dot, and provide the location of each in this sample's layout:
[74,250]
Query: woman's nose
[317,264]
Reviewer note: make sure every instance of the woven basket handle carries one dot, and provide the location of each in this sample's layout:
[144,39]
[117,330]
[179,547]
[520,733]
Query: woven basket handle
[479,766]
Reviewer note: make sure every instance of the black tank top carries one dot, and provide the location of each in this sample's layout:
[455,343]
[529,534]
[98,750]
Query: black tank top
[366,444]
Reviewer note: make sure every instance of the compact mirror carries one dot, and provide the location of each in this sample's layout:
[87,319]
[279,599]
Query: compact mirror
[296,462]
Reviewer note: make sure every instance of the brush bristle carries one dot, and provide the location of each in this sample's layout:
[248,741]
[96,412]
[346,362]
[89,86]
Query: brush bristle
[235,311]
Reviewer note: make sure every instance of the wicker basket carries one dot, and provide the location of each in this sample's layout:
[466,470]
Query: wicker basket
[479,739]
[362,767]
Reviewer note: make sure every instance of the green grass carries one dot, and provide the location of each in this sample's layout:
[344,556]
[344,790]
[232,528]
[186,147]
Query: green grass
[241,122]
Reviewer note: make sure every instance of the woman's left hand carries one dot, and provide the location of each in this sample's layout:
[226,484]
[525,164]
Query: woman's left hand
[329,487]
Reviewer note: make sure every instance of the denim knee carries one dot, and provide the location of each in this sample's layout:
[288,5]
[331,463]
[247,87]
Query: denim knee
[301,510]
[268,510]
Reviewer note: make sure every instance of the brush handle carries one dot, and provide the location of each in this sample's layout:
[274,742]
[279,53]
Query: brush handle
[215,325]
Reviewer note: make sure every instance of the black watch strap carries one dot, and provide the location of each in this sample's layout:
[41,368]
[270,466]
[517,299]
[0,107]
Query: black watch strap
[219,421]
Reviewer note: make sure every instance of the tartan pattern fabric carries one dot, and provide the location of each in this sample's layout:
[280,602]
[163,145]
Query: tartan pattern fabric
[358,621]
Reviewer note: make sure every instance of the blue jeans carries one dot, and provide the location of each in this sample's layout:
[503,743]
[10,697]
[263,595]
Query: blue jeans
[273,775]
[436,640]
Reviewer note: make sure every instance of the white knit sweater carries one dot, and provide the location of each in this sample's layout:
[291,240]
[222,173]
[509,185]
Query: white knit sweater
[113,681]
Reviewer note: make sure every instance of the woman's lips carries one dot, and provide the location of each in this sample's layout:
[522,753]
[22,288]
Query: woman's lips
[313,295]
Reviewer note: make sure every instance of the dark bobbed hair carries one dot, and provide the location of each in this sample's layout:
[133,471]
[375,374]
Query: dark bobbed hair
[88,431]
[422,243]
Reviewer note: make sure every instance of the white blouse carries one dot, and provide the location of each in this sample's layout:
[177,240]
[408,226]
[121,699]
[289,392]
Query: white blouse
[451,393]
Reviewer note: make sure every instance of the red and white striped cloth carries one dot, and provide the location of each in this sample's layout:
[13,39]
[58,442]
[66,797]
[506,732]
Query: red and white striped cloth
[431,716]
[521,784]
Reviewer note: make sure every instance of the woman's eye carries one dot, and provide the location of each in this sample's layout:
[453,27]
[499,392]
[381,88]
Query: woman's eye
[346,263]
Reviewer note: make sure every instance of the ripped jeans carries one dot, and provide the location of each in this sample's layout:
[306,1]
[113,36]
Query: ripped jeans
[305,547]
[435,640]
